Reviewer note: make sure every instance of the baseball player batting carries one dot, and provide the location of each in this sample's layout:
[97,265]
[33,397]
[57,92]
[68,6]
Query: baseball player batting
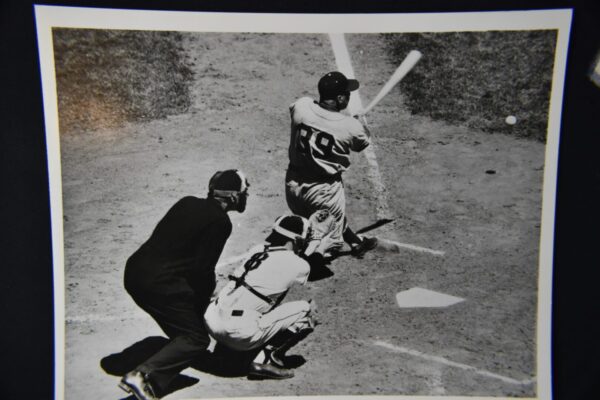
[322,139]
[248,312]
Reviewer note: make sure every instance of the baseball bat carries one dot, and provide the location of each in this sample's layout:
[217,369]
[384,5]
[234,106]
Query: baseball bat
[404,68]
[374,225]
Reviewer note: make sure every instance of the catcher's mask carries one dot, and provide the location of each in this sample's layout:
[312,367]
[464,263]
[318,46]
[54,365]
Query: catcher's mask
[231,186]
[291,227]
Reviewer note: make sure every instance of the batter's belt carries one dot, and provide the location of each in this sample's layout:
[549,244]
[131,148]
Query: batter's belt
[306,175]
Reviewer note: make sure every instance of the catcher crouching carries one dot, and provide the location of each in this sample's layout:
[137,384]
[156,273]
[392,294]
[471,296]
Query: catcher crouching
[248,313]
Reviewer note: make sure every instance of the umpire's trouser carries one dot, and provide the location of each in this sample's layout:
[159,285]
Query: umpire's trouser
[181,318]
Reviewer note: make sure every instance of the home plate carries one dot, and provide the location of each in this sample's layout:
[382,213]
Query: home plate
[418,297]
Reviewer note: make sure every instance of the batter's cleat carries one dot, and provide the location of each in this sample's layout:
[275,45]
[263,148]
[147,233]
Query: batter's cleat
[137,384]
[268,371]
[365,245]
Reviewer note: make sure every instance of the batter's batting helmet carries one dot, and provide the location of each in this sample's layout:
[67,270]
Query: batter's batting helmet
[335,83]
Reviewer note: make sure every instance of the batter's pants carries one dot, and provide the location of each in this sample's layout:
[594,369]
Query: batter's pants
[180,317]
[245,330]
[304,197]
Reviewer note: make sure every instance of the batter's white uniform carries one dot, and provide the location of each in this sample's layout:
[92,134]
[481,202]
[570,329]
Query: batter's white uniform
[243,321]
[319,152]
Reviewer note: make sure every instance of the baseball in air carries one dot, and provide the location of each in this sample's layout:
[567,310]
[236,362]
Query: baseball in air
[511,120]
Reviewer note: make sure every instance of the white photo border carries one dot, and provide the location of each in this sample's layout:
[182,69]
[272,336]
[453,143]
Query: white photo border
[48,17]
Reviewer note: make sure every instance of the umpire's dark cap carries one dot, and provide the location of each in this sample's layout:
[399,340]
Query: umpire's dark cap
[335,83]
[229,180]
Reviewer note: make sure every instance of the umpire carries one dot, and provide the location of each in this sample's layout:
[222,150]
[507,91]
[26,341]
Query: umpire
[172,277]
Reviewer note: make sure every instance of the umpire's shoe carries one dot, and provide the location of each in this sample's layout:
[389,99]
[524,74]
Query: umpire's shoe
[137,384]
[268,371]
[367,244]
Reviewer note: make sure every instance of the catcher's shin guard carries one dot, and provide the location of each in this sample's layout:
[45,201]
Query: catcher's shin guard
[277,355]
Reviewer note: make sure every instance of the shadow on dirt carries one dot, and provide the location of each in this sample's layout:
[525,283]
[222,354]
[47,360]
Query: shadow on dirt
[230,363]
[119,364]
[319,272]
[221,362]
[225,362]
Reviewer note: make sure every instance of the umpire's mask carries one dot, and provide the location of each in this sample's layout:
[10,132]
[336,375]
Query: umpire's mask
[231,186]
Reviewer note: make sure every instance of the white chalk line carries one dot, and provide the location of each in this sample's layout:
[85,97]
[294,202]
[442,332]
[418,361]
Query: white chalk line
[411,247]
[241,257]
[444,361]
[232,260]
[342,59]
[94,317]
[102,318]
[220,270]
[344,64]
[437,384]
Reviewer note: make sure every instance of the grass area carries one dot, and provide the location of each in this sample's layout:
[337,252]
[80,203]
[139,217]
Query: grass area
[480,78]
[105,78]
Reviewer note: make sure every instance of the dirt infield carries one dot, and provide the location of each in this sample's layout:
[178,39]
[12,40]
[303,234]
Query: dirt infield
[474,196]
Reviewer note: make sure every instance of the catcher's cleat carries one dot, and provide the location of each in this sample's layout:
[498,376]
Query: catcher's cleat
[277,356]
[365,245]
[268,371]
[135,383]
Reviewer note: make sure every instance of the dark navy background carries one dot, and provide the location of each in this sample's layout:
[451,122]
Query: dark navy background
[26,310]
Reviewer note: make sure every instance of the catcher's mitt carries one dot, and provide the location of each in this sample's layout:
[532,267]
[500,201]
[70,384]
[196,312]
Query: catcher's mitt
[321,223]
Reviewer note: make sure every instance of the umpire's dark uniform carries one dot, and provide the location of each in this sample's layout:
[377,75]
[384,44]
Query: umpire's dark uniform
[172,277]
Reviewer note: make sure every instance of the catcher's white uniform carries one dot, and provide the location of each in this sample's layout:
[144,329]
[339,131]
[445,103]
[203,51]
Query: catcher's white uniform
[320,147]
[247,312]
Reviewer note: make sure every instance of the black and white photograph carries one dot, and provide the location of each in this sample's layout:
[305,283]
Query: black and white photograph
[302,205]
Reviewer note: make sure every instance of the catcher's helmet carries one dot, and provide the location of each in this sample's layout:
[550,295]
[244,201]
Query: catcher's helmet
[290,227]
[230,185]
